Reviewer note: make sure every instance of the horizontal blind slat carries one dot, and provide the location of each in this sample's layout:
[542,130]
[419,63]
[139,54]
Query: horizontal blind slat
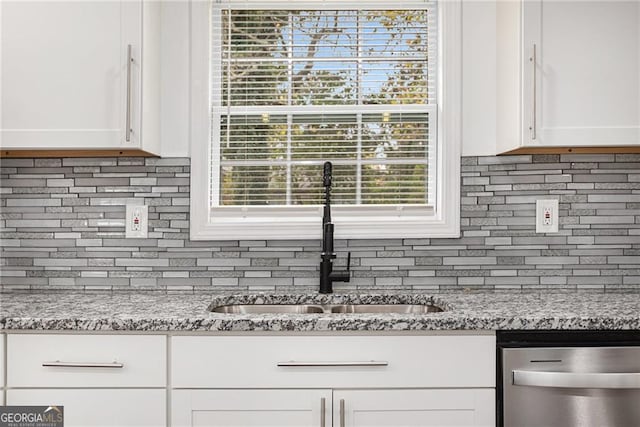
[282,62]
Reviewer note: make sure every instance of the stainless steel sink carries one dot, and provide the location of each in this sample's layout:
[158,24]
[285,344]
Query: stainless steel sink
[268,308]
[386,308]
[327,308]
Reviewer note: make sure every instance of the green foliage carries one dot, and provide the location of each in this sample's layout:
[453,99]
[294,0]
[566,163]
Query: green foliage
[257,44]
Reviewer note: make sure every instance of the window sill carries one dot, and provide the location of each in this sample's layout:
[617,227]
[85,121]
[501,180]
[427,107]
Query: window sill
[295,228]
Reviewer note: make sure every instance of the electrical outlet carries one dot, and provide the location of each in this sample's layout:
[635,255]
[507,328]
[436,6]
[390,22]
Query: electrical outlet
[547,216]
[137,221]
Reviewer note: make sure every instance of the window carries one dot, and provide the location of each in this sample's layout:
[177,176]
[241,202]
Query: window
[291,85]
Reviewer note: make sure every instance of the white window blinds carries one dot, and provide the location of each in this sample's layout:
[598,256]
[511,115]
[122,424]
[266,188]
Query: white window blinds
[292,88]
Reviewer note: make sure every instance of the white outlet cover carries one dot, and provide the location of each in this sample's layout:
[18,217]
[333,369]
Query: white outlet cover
[141,231]
[552,206]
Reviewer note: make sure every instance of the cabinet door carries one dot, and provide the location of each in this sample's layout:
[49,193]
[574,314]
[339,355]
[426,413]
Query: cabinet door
[64,74]
[582,85]
[249,408]
[417,407]
[99,407]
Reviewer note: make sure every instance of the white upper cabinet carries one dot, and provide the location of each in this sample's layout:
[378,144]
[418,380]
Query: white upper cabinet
[73,74]
[568,74]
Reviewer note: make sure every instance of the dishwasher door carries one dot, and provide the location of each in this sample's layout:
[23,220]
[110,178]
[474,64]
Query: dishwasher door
[571,386]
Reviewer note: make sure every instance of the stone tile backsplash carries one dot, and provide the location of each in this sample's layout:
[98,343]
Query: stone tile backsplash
[62,226]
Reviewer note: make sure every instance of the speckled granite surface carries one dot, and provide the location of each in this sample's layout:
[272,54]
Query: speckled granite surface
[161,311]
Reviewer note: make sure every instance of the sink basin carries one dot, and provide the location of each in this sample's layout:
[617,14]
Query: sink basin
[386,308]
[327,308]
[268,308]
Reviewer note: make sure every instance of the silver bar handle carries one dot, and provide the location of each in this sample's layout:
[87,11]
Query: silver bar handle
[127,129]
[294,363]
[58,364]
[342,416]
[323,408]
[533,60]
[615,380]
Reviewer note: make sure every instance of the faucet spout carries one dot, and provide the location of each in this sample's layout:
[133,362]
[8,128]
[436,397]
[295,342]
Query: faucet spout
[326,182]
[327,275]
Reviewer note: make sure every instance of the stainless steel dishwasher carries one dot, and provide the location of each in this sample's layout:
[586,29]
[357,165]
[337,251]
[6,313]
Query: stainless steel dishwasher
[587,381]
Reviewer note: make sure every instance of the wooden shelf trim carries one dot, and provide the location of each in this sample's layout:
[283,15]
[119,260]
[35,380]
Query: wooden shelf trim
[73,153]
[629,149]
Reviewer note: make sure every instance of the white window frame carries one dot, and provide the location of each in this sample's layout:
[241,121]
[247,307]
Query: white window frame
[351,222]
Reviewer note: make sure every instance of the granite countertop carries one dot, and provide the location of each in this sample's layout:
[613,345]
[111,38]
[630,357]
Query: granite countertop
[182,311]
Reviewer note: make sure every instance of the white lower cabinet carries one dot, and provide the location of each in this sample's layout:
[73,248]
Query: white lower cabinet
[292,380]
[248,408]
[101,380]
[99,407]
[339,381]
[431,407]
[2,364]
[343,408]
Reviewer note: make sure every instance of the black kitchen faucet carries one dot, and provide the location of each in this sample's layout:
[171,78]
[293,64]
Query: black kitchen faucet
[327,275]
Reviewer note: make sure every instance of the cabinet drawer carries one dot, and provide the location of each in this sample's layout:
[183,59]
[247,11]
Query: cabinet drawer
[99,407]
[333,361]
[86,360]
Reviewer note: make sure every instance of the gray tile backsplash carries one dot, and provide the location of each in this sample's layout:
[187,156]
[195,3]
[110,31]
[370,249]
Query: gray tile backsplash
[62,226]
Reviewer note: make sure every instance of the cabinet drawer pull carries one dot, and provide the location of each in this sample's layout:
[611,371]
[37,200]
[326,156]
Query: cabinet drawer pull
[58,364]
[342,423]
[294,363]
[323,408]
[127,129]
